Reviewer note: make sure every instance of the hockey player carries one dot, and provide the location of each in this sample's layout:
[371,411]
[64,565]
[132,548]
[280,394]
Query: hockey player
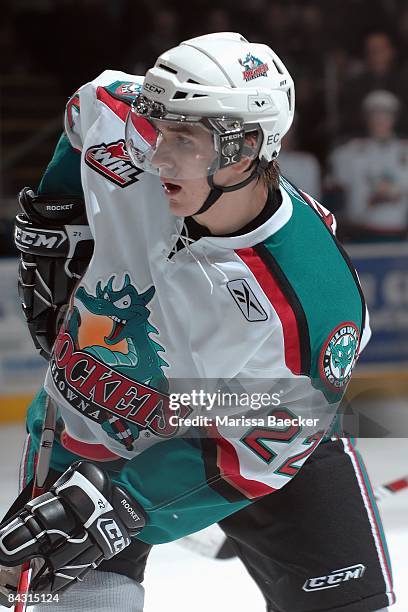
[207,266]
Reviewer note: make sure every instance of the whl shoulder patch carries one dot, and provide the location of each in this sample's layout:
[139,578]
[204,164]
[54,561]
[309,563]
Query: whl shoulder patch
[245,298]
[112,161]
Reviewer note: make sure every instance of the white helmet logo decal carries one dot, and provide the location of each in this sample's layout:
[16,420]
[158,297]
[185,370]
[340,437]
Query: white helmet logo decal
[253,67]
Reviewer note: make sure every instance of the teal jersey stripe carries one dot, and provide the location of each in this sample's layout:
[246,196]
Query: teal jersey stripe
[315,267]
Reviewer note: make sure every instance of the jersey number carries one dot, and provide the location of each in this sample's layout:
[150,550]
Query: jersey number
[256,438]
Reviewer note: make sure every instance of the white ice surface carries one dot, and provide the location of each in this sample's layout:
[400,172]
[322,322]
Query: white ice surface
[181,581]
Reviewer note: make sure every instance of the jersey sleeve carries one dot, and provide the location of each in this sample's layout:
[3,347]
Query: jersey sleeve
[63,174]
[81,111]
[169,480]
[327,216]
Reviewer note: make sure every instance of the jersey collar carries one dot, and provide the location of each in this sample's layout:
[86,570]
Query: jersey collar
[279,218]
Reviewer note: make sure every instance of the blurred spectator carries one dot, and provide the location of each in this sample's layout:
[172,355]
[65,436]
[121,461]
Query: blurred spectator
[314,31]
[378,71]
[298,166]
[311,108]
[249,17]
[402,26]
[373,174]
[275,26]
[161,34]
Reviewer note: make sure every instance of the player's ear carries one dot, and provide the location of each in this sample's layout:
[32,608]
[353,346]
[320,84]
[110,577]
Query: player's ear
[249,152]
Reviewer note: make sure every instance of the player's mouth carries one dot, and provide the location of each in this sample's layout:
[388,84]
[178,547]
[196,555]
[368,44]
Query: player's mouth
[171,189]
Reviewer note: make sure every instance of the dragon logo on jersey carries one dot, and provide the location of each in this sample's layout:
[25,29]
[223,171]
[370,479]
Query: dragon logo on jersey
[253,67]
[112,161]
[339,355]
[124,391]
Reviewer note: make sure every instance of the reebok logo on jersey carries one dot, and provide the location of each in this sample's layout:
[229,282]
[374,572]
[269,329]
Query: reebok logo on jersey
[335,578]
[246,300]
[113,162]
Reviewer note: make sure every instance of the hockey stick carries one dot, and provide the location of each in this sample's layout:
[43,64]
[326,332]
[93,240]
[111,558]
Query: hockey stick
[211,542]
[390,488]
[41,473]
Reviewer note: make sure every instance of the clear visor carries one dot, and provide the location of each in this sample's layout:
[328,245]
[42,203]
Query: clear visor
[182,147]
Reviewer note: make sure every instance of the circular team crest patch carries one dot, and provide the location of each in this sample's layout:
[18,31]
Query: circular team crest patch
[339,355]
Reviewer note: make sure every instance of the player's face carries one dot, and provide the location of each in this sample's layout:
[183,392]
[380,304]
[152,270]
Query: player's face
[184,152]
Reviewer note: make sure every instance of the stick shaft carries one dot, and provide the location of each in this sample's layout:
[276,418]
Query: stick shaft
[41,473]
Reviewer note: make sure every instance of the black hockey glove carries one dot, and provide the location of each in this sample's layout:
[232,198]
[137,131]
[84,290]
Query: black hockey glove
[56,246]
[82,520]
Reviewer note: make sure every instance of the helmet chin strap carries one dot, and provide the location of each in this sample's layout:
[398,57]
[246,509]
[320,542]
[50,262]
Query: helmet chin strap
[216,191]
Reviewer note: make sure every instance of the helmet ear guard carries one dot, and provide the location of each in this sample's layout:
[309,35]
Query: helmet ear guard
[233,145]
[230,148]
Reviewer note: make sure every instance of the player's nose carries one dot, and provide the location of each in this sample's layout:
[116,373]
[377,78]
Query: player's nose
[166,170]
[163,159]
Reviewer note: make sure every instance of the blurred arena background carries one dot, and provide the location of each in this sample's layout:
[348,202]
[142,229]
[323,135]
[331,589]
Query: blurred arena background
[348,148]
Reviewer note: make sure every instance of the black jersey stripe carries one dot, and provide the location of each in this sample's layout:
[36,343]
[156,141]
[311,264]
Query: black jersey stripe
[214,477]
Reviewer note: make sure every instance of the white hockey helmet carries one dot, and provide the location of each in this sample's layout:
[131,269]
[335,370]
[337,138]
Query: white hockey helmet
[223,82]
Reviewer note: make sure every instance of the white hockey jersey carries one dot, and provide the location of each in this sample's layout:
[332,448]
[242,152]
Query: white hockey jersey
[277,311]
